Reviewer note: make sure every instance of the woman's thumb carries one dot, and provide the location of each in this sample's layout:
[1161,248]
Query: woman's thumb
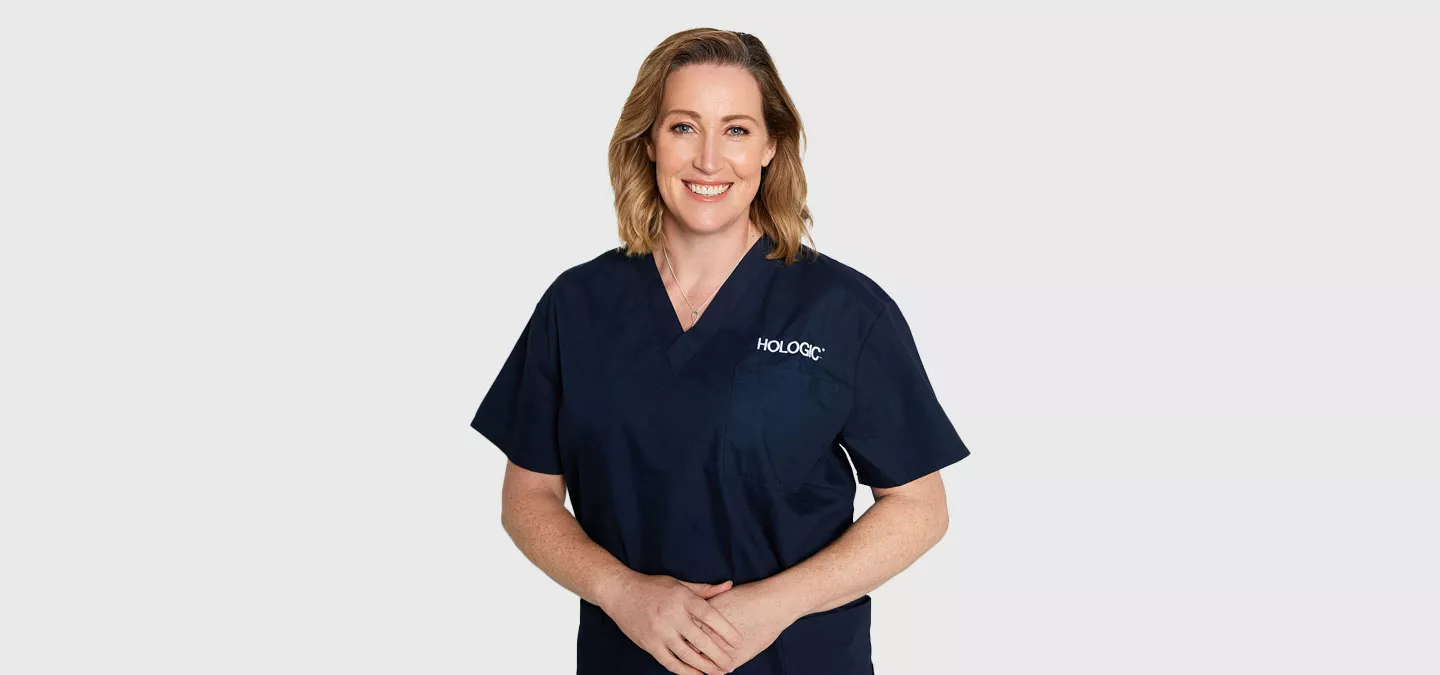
[708,590]
[712,590]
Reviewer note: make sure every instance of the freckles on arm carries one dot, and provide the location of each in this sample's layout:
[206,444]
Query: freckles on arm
[533,513]
[904,523]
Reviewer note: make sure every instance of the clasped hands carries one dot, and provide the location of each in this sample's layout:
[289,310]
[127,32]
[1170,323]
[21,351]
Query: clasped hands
[693,628]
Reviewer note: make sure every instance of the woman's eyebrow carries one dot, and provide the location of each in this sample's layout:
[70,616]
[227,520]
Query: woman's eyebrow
[696,115]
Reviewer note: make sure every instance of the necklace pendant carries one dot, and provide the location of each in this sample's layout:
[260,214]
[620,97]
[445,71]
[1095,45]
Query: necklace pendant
[694,316]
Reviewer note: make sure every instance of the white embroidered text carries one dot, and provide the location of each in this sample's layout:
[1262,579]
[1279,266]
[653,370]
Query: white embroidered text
[792,347]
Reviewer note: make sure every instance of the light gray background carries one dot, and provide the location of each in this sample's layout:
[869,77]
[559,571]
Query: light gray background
[1172,272]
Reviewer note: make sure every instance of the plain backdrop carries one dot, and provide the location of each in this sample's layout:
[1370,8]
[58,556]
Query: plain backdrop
[1172,271]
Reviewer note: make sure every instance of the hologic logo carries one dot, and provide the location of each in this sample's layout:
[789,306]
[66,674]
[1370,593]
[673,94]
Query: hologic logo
[792,347]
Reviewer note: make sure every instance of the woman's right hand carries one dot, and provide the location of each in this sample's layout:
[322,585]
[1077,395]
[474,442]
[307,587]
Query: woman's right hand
[664,616]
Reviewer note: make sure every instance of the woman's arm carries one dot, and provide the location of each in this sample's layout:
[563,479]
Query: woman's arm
[904,523]
[532,511]
[659,613]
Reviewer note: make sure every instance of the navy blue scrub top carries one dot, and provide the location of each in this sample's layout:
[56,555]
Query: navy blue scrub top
[719,452]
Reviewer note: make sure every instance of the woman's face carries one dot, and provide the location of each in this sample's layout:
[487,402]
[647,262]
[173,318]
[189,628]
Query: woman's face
[711,130]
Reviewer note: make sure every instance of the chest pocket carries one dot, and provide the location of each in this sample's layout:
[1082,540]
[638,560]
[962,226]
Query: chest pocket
[782,419]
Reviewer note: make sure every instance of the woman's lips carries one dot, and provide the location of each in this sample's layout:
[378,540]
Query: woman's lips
[707,198]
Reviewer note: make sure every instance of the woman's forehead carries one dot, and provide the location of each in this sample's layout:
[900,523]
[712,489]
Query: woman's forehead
[711,91]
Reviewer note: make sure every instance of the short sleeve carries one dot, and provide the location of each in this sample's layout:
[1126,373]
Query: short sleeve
[519,413]
[897,431]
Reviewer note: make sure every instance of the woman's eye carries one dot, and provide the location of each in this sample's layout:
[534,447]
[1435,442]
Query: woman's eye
[743,130]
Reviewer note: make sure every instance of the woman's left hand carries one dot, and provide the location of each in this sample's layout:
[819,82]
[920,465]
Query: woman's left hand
[753,612]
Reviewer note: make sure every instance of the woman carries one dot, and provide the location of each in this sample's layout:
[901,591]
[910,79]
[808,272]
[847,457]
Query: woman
[698,391]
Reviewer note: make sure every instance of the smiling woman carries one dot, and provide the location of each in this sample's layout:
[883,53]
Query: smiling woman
[710,446]
[709,121]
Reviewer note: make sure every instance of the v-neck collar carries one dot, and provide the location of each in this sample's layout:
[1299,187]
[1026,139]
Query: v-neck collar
[678,343]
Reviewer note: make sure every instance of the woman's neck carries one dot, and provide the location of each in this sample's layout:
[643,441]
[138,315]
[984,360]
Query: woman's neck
[703,259]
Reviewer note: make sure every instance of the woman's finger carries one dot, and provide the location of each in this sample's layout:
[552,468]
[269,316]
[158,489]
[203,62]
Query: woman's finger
[689,658]
[712,650]
[717,622]
[672,663]
[707,591]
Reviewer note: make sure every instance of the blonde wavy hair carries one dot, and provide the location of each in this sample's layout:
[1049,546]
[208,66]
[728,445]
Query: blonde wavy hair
[778,209]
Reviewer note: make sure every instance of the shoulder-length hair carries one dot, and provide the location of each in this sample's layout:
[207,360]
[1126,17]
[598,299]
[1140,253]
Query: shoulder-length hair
[778,208]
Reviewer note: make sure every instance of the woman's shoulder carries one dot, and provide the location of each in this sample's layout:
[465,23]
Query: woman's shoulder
[825,275]
[604,271]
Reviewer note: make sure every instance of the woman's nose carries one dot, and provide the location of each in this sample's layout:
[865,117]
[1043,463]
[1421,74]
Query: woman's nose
[709,159]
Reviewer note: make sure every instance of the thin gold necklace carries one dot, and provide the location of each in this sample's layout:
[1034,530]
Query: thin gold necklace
[695,313]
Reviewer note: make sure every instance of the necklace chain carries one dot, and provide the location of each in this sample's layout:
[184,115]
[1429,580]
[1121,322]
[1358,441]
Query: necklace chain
[695,313]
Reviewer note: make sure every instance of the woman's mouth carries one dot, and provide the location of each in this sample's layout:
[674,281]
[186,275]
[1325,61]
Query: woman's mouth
[707,192]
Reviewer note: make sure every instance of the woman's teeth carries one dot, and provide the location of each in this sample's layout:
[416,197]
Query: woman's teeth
[708,190]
